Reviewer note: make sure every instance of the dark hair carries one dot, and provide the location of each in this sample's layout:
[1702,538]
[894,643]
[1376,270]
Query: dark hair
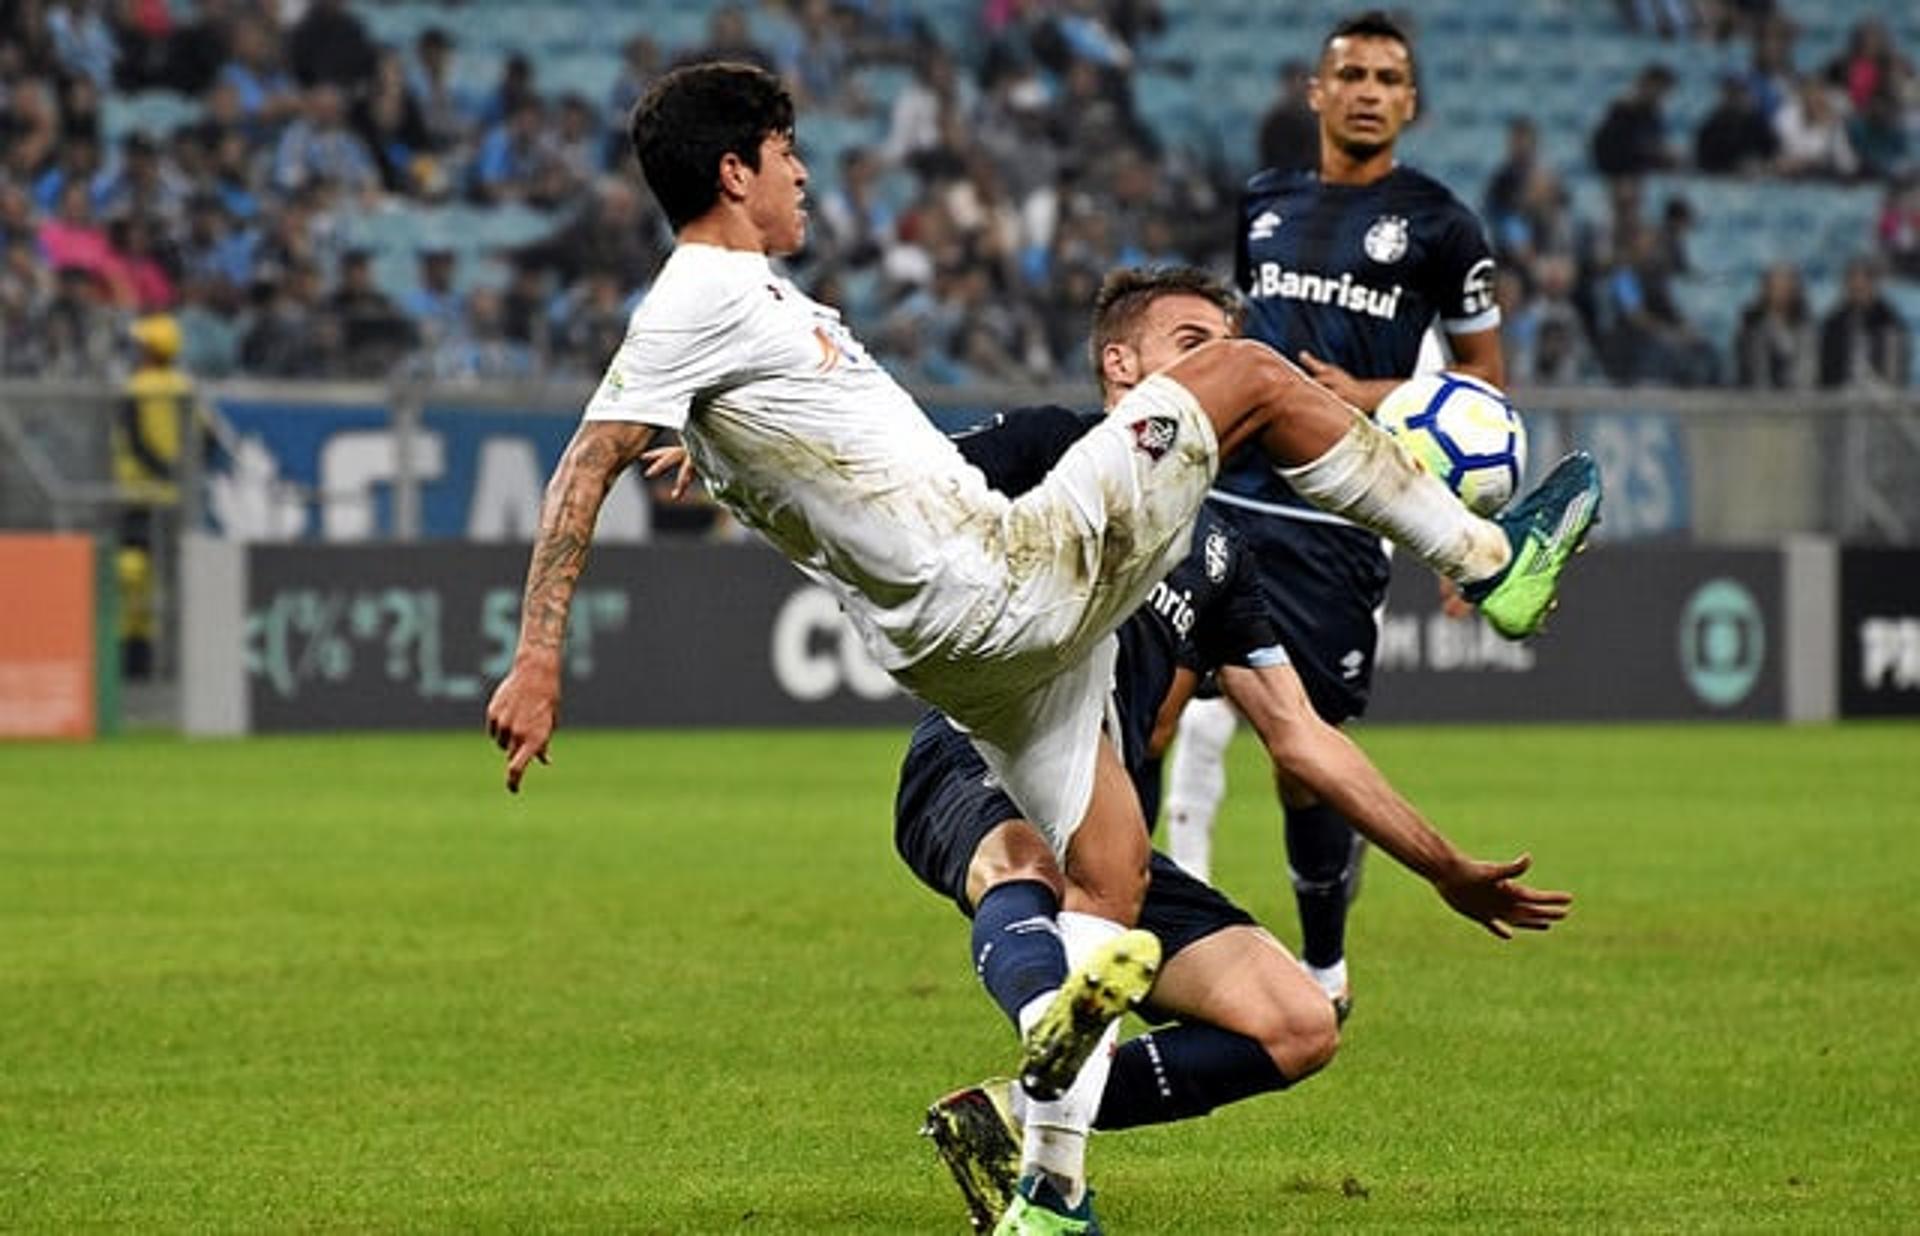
[694,116]
[1372,24]
[1125,294]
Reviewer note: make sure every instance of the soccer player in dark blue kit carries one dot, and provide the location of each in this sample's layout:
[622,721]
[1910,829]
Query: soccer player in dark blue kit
[1345,269]
[1250,1019]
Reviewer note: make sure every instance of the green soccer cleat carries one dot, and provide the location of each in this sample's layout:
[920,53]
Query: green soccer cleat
[1116,977]
[1039,1210]
[1545,528]
[976,1136]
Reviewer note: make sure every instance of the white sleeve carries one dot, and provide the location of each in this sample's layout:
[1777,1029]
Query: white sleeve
[668,359]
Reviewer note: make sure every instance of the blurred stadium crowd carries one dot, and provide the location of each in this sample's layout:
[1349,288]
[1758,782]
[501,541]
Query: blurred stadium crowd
[326,190]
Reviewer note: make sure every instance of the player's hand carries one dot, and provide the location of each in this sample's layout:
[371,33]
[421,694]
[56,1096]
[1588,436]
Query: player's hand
[1333,377]
[664,459]
[1488,894]
[523,713]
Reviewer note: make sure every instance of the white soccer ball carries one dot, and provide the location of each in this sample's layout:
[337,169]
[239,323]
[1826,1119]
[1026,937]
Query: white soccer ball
[1463,431]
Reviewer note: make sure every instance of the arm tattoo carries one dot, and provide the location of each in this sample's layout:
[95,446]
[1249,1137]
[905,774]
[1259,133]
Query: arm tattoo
[599,452]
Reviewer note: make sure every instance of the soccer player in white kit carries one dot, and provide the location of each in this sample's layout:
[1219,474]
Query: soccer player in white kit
[998,612]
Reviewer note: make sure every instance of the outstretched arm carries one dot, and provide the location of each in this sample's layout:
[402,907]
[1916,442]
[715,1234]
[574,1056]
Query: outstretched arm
[525,707]
[1327,762]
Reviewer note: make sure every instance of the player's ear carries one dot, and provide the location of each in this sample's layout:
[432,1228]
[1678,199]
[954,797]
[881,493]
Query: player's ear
[734,175]
[1119,366]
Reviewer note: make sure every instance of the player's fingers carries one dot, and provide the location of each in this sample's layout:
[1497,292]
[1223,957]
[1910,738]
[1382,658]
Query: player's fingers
[1508,870]
[517,761]
[1497,927]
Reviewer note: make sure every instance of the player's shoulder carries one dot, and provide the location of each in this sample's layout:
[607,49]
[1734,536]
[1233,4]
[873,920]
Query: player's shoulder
[1424,192]
[701,284]
[1272,182]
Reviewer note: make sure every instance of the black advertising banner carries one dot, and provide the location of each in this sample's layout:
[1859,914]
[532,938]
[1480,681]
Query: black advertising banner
[389,637]
[1641,634]
[1879,632]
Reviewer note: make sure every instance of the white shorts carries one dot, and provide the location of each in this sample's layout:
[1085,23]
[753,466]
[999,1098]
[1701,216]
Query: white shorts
[1030,671]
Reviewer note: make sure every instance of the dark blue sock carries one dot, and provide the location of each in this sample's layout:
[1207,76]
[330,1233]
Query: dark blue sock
[1324,855]
[1184,1071]
[1016,944]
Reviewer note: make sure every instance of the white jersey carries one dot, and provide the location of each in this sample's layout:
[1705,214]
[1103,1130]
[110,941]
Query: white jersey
[799,433]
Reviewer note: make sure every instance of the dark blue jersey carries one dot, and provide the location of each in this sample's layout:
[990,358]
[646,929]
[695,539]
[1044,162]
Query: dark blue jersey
[1208,612]
[1354,274]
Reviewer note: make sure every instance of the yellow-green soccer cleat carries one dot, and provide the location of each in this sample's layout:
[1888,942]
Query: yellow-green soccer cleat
[976,1136]
[1038,1209]
[1545,528]
[1116,977]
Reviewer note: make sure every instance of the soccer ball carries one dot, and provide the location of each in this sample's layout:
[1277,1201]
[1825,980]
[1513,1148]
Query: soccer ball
[1463,431]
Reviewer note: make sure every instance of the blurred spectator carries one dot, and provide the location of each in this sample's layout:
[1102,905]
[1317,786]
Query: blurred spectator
[374,333]
[292,335]
[1863,341]
[1813,134]
[32,121]
[446,114]
[213,249]
[80,110]
[1878,134]
[1544,338]
[388,120]
[1776,347]
[915,129]
[823,59]
[1289,131]
[1508,183]
[480,348]
[618,233]
[330,45]
[640,63]
[576,144]
[1676,220]
[591,324]
[728,39]
[526,307]
[1632,138]
[1869,65]
[78,163]
[320,148]
[1645,337]
[196,50]
[83,42]
[26,288]
[1736,138]
[267,95]
[137,277]
[515,88]
[1666,18]
[1770,75]
[854,221]
[141,181]
[1899,227]
[78,328]
[434,305]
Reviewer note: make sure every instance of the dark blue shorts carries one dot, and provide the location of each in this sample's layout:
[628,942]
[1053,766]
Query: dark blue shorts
[947,805]
[1323,583]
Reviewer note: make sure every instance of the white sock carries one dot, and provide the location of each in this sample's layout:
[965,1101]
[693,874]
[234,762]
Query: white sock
[1196,782]
[1370,478]
[1332,979]
[1056,1138]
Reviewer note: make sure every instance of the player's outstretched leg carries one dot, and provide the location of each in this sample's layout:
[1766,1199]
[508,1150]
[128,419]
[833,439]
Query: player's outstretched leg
[975,1134]
[1336,458]
[1545,528]
[1112,979]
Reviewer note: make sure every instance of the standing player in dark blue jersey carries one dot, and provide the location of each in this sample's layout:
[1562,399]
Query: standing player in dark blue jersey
[1345,270]
[1250,1019]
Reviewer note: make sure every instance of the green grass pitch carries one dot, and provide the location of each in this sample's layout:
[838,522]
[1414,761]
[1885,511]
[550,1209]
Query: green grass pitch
[681,985]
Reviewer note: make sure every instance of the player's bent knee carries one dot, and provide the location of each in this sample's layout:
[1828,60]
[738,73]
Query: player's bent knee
[1012,852]
[1307,1041]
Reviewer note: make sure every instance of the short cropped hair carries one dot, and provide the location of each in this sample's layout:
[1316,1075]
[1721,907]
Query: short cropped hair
[693,117]
[1372,24]
[1126,293]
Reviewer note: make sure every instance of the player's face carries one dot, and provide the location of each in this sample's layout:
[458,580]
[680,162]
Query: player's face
[1169,328]
[1364,94]
[776,198]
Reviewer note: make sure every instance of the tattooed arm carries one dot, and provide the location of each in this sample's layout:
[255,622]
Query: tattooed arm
[525,708]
